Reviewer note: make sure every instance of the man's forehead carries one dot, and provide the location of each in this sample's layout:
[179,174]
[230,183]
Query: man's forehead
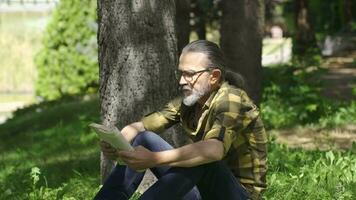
[193,60]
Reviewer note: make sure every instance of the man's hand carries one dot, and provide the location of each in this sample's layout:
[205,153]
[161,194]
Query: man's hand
[108,150]
[140,158]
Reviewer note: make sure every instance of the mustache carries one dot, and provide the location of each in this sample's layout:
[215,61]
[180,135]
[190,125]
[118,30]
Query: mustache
[184,87]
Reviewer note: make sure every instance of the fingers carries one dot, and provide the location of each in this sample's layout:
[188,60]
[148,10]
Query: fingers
[125,154]
[104,144]
[108,150]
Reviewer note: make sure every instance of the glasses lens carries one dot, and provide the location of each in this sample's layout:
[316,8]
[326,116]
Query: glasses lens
[178,74]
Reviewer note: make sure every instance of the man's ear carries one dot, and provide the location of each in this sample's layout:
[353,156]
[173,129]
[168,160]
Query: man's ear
[215,76]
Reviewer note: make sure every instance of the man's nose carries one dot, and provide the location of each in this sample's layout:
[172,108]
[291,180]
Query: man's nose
[182,81]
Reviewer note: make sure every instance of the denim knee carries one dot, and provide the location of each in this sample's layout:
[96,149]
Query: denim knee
[144,138]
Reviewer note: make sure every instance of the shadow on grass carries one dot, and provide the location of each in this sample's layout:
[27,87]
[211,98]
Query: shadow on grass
[48,114]
[54,175]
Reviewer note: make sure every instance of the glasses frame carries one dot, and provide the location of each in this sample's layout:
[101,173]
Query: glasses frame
[189,75]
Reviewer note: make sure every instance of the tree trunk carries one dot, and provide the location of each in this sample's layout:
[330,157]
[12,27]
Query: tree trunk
[304,36]
[199,20]
[241,41]
[348,12]
[137,56]
[182,22]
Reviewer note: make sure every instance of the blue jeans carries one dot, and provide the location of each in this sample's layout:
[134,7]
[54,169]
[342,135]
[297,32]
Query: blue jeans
[208,181]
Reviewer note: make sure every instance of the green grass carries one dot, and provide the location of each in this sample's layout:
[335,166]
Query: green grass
[48,152]
[55,138]
[307,175]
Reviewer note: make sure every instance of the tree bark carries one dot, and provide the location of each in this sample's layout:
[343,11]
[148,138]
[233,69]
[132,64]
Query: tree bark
[199,20]
[182,22]
[137,57]
[304,36]
[241,41]
[348,12]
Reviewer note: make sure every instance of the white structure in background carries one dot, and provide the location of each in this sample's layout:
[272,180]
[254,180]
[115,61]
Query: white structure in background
[276,50]
[27,5]
[338,43]
[276,32]
[21,6]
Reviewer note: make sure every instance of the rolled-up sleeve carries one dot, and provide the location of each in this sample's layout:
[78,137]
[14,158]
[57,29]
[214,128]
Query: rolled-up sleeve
[161,120]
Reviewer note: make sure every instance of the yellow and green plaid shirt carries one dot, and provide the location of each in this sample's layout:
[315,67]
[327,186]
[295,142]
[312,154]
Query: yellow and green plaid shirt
[231,117]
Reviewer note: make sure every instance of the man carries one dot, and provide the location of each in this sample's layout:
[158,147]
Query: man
[228,157]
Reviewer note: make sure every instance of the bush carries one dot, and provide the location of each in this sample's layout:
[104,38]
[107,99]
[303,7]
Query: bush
[292,96]
[67,63]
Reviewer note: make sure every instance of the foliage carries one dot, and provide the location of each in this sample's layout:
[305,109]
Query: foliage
[326,18]
[297,174]
[292,96]
[67,63]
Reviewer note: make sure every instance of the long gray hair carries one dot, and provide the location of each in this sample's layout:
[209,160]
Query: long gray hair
[217,60]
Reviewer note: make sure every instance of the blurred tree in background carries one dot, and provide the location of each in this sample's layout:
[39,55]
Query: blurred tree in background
[182,21]
[67,64]
[241,41]
[304,38]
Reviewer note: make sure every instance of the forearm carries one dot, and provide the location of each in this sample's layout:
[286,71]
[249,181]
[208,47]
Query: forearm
[191,155]
[130,131]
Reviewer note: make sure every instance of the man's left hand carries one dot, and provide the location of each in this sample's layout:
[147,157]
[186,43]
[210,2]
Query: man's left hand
[140,158]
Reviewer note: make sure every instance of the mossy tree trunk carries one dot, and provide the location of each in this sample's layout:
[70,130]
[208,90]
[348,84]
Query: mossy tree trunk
[137,57]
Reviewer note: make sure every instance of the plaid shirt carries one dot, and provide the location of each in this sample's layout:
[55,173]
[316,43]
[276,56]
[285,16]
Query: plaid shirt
[231,117]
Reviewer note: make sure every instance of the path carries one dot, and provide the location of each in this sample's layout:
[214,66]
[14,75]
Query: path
[340,78]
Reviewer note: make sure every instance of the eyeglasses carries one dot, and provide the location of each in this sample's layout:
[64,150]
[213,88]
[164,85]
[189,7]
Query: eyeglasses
[189,75]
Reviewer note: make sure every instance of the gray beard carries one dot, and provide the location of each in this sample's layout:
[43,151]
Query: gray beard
[196,95]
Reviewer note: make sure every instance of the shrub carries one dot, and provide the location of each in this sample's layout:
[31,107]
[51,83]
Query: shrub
[67,63]
[292,96]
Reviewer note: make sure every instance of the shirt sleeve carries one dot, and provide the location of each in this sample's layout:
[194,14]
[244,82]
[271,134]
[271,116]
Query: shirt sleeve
[161,120]
[231,117]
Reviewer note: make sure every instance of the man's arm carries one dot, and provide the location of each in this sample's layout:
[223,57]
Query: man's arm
[192,154]
[130,131]
[187,156]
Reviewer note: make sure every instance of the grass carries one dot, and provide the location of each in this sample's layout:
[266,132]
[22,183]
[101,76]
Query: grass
[299,174]
[55,138]
[48,152]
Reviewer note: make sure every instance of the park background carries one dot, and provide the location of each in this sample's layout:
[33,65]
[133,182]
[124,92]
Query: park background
[49,93]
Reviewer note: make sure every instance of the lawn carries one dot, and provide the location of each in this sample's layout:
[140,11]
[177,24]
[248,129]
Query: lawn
[53,141]
[48,152]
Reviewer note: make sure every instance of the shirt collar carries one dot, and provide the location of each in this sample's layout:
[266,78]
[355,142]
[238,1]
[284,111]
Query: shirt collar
[213,94]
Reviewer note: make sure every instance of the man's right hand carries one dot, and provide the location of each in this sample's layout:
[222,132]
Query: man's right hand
[108,150]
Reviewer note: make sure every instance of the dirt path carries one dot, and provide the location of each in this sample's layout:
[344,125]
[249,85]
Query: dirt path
[340,79]
[312,138]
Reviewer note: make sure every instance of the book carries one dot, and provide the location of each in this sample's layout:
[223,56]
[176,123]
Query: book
[113,136]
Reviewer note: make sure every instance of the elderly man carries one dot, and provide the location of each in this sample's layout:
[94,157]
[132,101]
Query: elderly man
[227,158]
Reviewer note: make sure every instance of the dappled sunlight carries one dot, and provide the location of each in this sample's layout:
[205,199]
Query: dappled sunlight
[311,138]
